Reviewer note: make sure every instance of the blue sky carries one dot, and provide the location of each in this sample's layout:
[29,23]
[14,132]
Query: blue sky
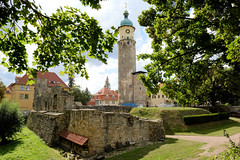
[110,15]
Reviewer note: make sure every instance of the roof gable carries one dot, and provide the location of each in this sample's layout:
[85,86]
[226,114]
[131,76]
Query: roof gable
[52,79]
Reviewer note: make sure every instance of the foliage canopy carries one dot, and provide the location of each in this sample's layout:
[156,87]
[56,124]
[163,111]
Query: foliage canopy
[196,57]
[82,96]
[66,37]
[2,90]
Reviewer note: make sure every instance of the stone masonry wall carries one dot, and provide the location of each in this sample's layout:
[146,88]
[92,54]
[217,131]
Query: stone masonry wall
[108,129]
[51,99]
[47,125]
[118,109]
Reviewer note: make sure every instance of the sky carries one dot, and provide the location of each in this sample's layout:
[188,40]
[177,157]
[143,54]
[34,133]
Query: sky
[109,15]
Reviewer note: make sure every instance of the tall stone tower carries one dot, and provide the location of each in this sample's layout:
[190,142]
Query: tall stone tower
[126,60]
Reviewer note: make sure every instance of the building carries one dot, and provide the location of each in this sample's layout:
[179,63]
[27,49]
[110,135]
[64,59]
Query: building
[23,94]
[161,100]
[131,91]
[105,96]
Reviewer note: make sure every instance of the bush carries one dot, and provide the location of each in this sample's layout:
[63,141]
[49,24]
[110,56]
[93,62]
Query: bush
[203,118]
[11,120]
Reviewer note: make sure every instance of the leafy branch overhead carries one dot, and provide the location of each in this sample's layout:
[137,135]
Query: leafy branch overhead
[66,37]
[192,55]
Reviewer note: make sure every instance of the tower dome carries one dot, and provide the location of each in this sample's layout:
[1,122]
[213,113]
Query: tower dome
[126,21]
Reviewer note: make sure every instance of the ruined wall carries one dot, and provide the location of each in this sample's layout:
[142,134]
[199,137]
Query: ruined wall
[47,125]
[52,99]
[118,109]
[113,130]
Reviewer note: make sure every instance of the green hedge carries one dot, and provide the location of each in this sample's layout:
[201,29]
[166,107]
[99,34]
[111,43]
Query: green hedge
[203,118]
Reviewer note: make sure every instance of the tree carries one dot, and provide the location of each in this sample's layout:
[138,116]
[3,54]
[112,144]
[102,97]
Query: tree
[80,95]
[11,120]
[66,37]
[71,81]
[2,90]
[107,84]
[187,50]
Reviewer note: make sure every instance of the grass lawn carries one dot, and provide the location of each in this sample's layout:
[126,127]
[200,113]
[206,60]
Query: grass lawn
[232,126]
[170,149]
[28,146]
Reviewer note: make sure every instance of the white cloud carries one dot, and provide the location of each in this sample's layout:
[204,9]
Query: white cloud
[192,13]
[98,75]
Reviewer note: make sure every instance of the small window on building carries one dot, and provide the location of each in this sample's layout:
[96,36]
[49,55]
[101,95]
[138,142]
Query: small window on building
[21,96]
[26,96]
[158,96]
[107,96]
[21,88]
[113,102]
[121,43]
[58,82]
[113,97]
[162,96]
[140,88]
[7,91]
[128,42]
[95,97]
[52,82]
[27,88]
[106,102]
[127,37]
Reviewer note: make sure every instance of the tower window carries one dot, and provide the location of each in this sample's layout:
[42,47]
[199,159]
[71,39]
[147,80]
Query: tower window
[128,42]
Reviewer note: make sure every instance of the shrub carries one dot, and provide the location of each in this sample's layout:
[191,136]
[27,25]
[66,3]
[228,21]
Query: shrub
[203,118]
[11,120]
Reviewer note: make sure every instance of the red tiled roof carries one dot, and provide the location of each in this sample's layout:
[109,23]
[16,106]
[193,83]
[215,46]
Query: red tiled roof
[10,86]
[50,76]
[101,95]
[73,137]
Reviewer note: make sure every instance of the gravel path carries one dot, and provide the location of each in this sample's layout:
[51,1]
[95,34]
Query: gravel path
[214,146]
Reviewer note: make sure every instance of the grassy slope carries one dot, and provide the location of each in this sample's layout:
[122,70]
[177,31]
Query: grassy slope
[172,117]
[170,149]
[231,126]
[28,146]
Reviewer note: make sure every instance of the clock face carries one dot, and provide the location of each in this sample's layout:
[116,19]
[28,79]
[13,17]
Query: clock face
[127,31]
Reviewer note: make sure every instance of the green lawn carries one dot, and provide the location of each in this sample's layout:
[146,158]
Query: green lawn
[232,126]
[170,149]
[28,146]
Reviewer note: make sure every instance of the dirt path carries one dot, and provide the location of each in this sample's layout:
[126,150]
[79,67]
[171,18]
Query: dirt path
[214,146]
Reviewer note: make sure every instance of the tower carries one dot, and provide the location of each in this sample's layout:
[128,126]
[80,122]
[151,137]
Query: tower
[126,60]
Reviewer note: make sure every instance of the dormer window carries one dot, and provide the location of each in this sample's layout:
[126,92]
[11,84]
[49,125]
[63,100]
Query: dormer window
[52,82]
[21,88]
